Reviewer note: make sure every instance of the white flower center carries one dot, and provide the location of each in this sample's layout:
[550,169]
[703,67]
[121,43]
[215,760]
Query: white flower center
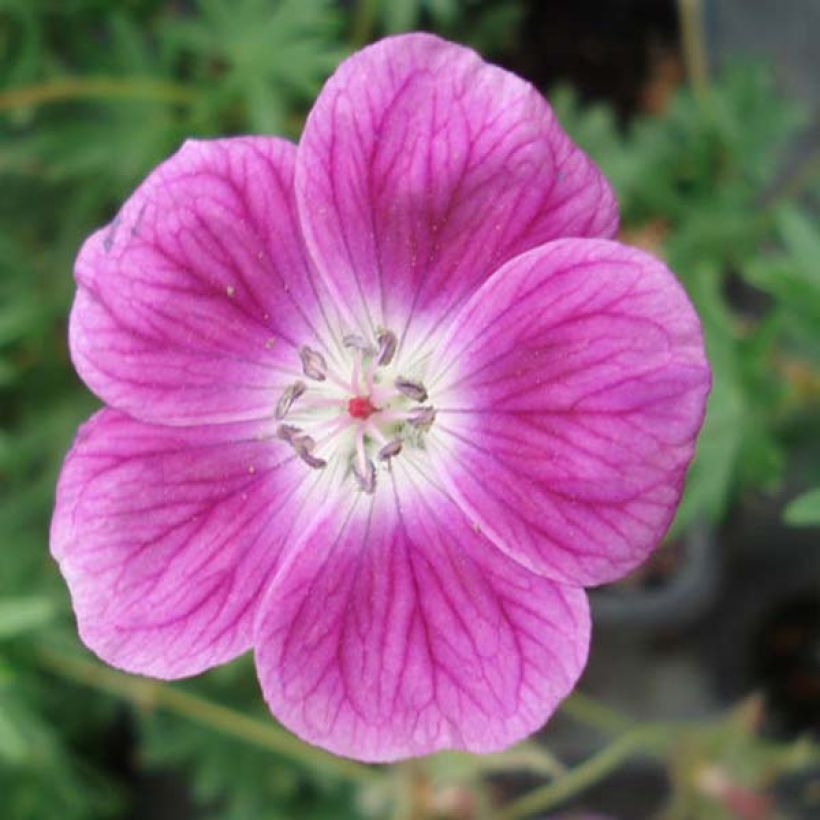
[365,416]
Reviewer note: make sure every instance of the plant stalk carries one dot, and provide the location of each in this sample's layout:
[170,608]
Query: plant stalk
[63,89]
[145,693]
[640,740]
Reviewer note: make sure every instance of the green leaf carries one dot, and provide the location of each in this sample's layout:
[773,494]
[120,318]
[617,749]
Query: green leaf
[736,447]
[15,744]
[24,614]
[712,474]
[257,60]
[802,240]
[804,511]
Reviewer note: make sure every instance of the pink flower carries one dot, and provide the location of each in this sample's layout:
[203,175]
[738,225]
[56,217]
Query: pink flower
[372,413]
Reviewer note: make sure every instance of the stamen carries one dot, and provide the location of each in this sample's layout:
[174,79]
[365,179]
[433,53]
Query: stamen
[422,417]
[288,397]
[380,411]
[304,446]
[311,460]
[392,448]
[388,343]
[288,433]
[361,455]
[356,342]
[413,390]
[356,373]
[364,470]
[303,443]
[366,476]
[314,365]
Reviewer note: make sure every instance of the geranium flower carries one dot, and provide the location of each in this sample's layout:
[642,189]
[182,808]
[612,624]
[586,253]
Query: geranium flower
[372,412]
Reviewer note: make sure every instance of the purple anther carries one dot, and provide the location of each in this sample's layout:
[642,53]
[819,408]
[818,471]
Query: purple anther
[288,433]
[288,397]
[367,479]
[422,417]
[388,343]
[314,365]
[392,448]
[412,389]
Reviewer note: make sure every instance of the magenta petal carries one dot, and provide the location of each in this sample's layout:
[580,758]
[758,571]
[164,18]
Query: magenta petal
[190,302]
[422,169]
[397,629]
[574,384]
[167,536]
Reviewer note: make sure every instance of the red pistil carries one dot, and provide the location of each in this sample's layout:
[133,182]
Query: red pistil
[360,407]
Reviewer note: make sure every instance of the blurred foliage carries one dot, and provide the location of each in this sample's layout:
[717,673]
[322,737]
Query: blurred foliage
[236,51]
[229,775]
[94,93]
[701,186]
[804,511]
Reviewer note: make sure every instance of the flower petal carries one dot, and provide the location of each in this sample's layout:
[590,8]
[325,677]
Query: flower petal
[570,393]
[397,629]
[422,169]
[167,537]
[190,302]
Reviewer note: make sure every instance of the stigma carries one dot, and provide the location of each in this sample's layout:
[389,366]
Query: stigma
[360,407]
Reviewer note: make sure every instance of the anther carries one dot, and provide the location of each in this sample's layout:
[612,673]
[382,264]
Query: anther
[304,446]
[311,460]
[356,342]
[422,417]
[388,343]
[288,397]
[288,433]
[413,390]
[367,479]
[392,448]
[303,443]
[314,365]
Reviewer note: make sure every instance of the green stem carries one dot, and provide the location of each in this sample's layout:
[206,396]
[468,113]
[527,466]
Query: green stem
[62,89]
[637,741]
[145,693]
[412,791]
[591,712]
[452,766]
